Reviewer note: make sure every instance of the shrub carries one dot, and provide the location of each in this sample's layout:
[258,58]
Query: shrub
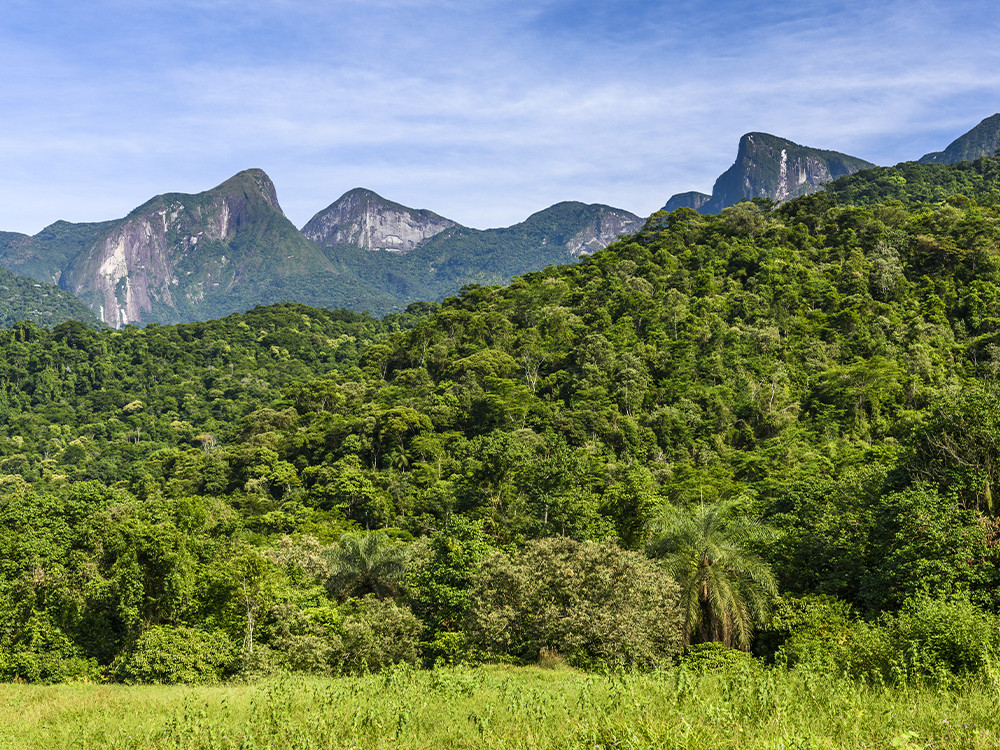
[44,653]
[305,640]
[929,639]
[713,656]
[47,667]
[170,654]
[942,637]
[809,630]
[377,633]
[596,604]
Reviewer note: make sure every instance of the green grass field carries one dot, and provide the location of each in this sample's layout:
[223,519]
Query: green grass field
[499,707]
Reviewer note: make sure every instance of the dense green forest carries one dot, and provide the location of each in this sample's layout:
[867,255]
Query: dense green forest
[795,408]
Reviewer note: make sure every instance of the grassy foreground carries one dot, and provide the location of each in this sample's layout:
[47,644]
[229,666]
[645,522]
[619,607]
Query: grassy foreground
[504,708]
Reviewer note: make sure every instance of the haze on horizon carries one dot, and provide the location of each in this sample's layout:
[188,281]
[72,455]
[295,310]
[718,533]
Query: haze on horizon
[484,111]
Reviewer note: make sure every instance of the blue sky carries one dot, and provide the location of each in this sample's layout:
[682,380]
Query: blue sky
[482,110]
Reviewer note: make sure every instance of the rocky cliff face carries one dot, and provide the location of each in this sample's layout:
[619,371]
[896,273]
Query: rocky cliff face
[691,199]
[982,140]
[602,228]
[178,252]
[774,168]
[771,167]
[367,220]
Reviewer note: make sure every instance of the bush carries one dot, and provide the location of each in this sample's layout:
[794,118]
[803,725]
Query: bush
[596,604]
[929,639]
[305,640]
[47,668]
[376,634]
[171,654]
[44,653]
[809,630]
[713,657]
[939,638]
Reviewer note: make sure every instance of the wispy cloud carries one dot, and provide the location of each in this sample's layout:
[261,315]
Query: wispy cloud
[484,110]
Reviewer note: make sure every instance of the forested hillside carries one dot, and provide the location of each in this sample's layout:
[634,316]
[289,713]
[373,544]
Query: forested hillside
[22,298]
[182,502]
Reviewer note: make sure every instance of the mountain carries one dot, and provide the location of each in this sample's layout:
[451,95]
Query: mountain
[44,256]
[691,199]
[184,257]
[24,298]
[458,255]
[982,140]
[369,221]
[771,167]
[178,254]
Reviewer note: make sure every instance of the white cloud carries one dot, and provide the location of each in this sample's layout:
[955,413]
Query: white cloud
[483,111]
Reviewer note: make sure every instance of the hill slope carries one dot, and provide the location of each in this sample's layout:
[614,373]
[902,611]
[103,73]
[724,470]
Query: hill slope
[830,367]
[982,140]
[24,298]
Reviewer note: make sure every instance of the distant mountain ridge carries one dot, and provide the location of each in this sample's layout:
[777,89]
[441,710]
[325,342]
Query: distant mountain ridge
[982,140]
[181,257]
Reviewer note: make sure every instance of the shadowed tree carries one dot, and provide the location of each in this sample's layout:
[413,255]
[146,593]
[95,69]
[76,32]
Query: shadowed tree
[363,564]
[725,587]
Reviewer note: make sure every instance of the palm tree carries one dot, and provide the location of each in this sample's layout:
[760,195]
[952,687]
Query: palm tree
[725,587]
[365,564]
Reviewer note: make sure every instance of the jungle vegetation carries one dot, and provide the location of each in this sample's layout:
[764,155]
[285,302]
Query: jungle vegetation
[512,472]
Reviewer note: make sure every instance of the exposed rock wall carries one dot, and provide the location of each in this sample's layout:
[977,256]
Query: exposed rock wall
[365,219]
[604,230]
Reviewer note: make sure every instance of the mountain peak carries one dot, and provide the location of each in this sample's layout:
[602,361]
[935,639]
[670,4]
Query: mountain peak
[179,252]
[768,166]
[365,219]
[252,183]
[982,140]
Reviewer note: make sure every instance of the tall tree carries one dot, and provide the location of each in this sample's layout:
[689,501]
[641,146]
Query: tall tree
[725,586]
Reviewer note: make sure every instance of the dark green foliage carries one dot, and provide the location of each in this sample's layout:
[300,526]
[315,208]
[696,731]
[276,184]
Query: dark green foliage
[916,182]
[366,564]
[831,366]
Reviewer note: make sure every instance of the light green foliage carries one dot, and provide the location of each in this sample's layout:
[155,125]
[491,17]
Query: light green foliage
[716,657]
[596,604]
[506,708]
[376,634]
[169,654]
